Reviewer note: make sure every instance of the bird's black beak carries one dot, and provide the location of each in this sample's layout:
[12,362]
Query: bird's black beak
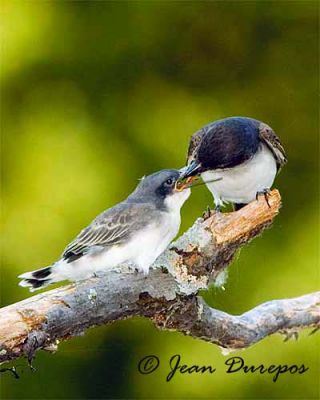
[190,170]
[187,176]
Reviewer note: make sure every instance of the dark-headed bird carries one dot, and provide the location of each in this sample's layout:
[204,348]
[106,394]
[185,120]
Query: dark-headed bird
[238,157]
[135,231]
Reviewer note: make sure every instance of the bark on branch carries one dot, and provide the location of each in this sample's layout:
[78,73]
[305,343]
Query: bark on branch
[167,296]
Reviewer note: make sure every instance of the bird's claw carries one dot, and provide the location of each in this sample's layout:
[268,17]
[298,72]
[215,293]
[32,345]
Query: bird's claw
[266,194]
[207,213]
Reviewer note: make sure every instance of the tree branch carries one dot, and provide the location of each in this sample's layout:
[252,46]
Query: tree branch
[170,300]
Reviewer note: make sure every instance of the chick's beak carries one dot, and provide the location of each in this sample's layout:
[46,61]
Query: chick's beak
[184,184]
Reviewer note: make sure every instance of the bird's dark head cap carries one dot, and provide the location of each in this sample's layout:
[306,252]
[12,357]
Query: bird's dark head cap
[222,144]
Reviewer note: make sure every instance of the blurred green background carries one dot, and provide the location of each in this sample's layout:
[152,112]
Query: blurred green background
[97,94]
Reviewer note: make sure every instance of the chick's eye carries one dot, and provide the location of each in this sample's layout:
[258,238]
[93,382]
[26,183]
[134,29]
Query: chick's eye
[169,182]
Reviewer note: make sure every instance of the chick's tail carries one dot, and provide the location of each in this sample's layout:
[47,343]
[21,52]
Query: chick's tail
[37,279]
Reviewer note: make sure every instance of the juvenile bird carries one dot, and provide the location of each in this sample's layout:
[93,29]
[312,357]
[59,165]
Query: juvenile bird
[134,231]
[239,157]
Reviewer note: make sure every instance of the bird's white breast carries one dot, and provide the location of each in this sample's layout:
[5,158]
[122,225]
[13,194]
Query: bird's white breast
[241,183]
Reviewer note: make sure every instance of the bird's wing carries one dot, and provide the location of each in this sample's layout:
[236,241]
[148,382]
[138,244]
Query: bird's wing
[113,227]
[273,142]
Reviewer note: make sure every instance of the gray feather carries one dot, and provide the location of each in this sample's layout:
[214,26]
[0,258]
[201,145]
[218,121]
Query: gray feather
[268,136]
[114,226]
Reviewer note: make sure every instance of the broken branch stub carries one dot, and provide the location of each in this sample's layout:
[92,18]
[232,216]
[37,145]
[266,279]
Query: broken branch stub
[198,257]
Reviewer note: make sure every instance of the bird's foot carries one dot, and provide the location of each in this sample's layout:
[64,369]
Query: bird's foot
[207,213]
[266,194]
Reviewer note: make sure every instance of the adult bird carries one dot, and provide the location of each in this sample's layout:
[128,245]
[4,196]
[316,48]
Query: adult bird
[135,231]
[238,157]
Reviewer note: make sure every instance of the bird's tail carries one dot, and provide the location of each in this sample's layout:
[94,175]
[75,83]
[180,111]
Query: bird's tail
[37,279]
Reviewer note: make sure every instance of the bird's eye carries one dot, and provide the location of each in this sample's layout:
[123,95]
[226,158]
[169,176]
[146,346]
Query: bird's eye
[169,182]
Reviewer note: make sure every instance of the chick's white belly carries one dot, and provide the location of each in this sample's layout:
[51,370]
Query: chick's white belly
[141,250]
[241,183]
[154,241]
